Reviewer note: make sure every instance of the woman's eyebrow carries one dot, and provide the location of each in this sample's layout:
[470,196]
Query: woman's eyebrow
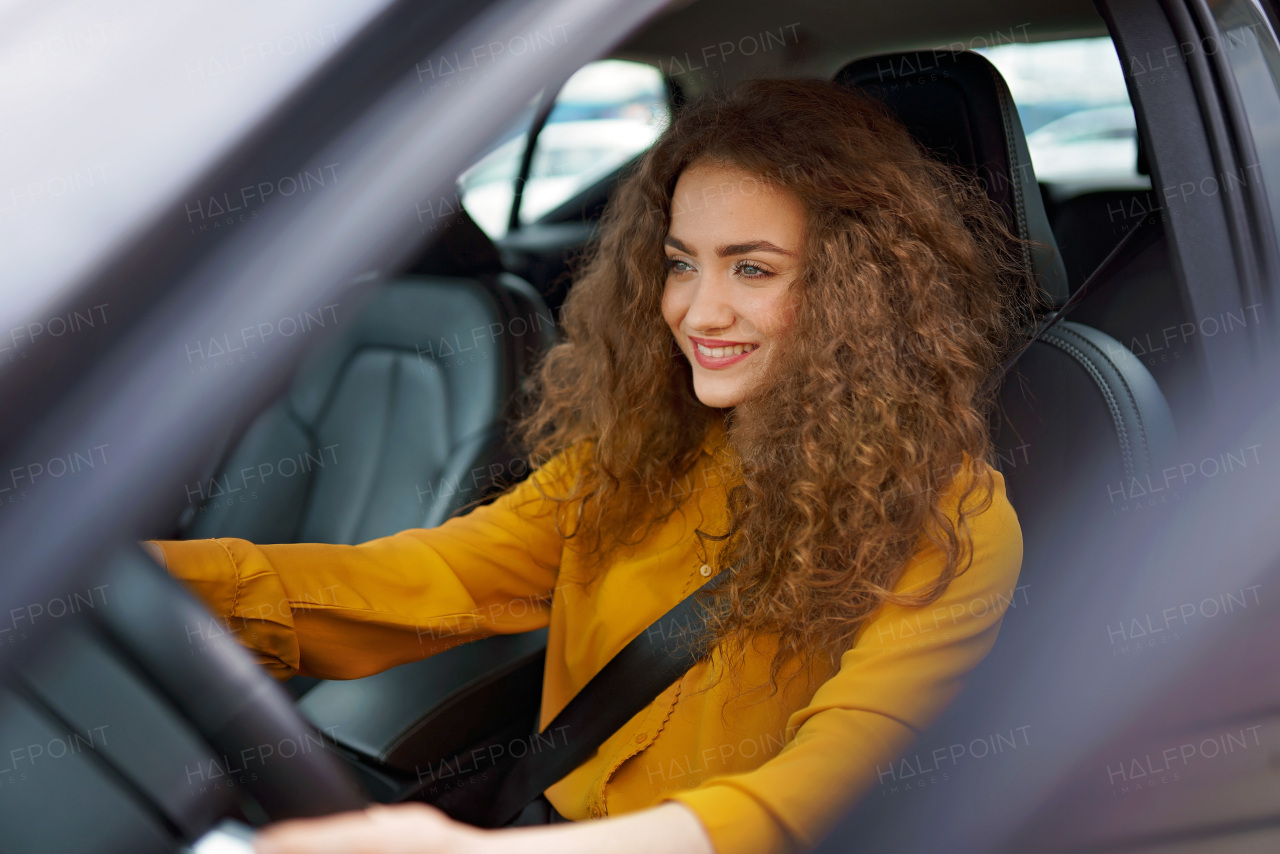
[732,248]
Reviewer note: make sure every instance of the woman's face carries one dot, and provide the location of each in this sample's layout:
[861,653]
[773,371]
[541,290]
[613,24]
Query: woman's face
[733,249]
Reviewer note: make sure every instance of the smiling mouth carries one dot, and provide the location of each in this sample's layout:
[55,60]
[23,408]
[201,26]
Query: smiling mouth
[726,354]
[721,352]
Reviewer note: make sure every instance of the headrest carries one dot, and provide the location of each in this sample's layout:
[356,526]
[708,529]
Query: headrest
[958,107]
[457,247]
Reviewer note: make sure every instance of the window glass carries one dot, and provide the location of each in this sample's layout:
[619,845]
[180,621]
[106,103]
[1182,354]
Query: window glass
[1075,110]
[481,187]
[607,113]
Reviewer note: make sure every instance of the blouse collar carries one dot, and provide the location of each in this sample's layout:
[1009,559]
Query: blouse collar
[716,441]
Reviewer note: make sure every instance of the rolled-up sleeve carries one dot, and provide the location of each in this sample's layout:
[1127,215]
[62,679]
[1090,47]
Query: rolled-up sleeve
[905,666]
[347,611]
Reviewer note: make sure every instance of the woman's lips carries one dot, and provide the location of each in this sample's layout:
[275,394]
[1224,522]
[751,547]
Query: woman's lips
[717,362]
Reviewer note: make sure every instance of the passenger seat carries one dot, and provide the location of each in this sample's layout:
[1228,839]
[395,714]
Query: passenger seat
[399,424]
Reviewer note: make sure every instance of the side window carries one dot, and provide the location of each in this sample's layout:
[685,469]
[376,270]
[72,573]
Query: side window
[1076,113]
[1083,139]
[484,189]
[606,114]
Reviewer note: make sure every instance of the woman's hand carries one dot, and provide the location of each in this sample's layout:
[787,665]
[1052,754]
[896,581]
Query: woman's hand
[414,828]
[401,829]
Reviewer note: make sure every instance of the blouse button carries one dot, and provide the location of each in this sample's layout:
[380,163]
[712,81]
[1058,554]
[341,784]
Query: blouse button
[705,570]
[639,737]
[595,811]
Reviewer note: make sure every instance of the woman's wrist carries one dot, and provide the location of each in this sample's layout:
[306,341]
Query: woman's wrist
[410,828]
[669,828]
[413,828]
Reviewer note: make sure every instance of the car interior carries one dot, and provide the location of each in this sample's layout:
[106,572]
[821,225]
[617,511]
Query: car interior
[415,421]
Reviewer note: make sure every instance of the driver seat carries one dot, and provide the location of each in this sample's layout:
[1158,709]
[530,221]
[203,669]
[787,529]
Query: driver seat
[1079,418]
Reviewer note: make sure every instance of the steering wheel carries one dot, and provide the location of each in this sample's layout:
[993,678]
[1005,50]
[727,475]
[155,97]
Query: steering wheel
[220,693]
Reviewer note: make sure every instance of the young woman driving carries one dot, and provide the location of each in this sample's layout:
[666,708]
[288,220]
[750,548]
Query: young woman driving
[773,360]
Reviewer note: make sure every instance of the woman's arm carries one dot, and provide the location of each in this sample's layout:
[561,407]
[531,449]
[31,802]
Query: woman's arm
[905,668]
[346,611]
[670,828]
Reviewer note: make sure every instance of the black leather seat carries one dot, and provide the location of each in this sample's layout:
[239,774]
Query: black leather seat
[1080,419]
[397,424]
[383,429]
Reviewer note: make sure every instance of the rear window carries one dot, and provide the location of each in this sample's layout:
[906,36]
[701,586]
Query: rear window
[1075,110]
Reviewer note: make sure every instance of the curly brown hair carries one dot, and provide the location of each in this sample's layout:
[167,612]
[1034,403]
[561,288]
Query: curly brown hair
[910,292]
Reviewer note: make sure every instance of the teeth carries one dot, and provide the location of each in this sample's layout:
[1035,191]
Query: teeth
[719,352]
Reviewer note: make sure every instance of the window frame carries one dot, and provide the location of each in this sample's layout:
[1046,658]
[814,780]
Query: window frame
[547,105]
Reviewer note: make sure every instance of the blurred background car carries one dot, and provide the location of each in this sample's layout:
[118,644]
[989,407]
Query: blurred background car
[1089,150]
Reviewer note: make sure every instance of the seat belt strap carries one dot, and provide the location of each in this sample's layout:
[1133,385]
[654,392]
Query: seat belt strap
[649,664]
[1135,240]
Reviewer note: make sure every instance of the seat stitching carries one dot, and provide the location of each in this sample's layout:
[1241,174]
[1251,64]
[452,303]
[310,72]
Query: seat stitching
[384,441]
[1133,398]
[1116,416]
[1015,179]
[312,438]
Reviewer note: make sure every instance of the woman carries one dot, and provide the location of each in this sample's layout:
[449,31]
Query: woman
[774,359]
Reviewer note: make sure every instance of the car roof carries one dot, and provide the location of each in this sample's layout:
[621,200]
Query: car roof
[813,38]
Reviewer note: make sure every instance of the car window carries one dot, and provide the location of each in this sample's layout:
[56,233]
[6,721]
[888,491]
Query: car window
[606,114]
[497,165]
[1075,110]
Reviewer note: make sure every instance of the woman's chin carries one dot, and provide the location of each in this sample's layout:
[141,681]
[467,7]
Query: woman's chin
[719,398]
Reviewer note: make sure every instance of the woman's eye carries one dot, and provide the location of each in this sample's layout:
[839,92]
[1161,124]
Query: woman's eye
[675,265]
[752,271]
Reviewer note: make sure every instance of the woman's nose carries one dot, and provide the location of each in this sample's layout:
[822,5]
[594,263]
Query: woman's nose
[711,307]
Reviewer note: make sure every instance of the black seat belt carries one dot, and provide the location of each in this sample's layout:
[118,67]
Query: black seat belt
[1134,240]
[649,664]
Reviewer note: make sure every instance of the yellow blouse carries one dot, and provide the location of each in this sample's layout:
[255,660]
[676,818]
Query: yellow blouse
[771,774]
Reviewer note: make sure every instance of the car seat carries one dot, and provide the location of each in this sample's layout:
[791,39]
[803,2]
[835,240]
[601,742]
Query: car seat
[398,423]
[1080,421]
